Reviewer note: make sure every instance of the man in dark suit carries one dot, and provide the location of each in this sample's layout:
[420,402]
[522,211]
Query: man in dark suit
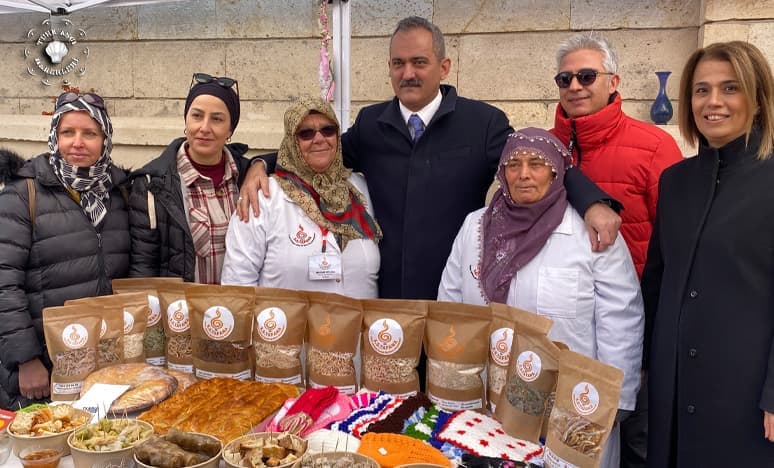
[429,156]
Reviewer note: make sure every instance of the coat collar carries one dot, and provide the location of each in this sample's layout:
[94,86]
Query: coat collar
[40,169]
[591,130]
[393,117]
[732,154]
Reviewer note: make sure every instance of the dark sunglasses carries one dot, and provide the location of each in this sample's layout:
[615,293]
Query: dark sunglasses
[223,81]
[89,98]
[327,131]
[585,77]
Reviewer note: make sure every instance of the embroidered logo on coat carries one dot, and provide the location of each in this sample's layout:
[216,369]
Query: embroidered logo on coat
[301,239]
[475,272]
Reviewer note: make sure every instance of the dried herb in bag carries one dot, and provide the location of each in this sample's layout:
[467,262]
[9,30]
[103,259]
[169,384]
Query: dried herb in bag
[155,341]
[333,333]
[457,345]
[500,344]
[110,348]
[584,413]
[278,335]
[392,334]
[531,377]
[72,334]
[177,326]
[221,330]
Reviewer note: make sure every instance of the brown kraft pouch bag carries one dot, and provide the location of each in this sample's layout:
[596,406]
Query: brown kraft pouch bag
[155,340]
[333,333]
[221,330]
[278,335]
[392,334]
[135,312]
[71,334]
[110,349]
[500,344]
[457,344]
[177,326]
[586,404]
[532,372]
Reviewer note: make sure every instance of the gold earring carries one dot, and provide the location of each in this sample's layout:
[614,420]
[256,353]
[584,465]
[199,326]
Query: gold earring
[185,131]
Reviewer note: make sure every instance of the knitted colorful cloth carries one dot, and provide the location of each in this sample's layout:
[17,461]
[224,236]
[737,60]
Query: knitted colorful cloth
[362,399]
[482,435]
[414,418]
[394,422]
[362,425]
[390,450]
[364,413]
[423,430]
[337,411]
[475,461]
[306,409]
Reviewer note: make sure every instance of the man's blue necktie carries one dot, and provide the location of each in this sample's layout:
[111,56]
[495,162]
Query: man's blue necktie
[418,126]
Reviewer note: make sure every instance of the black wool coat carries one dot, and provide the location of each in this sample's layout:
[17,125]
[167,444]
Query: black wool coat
[708,286]
[63,256]
[167,249]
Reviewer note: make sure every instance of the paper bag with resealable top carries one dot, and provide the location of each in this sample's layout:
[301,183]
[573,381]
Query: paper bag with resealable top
[279,328]
[531,378]
[392,334]
[155,340]
[456,344]
[134,310]
[221,330]
[333,333]
[584,413]
[110,348]
[177,326]
[72,334]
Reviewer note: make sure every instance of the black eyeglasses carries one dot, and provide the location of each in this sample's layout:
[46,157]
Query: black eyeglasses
[223,81]
[585,77]
[327,131]
[90,98]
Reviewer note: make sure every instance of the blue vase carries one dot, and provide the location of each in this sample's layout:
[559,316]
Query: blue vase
[661,110]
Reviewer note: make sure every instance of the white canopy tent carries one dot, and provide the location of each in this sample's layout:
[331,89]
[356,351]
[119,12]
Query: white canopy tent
[340,31]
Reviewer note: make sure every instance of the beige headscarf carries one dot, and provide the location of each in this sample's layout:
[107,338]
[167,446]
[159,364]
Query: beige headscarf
[341,207]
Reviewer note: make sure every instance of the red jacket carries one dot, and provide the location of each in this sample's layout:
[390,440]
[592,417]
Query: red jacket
[624,157]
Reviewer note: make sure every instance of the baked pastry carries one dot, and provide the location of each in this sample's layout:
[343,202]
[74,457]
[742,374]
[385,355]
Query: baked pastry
[224,408]
[149,385]
[184,379]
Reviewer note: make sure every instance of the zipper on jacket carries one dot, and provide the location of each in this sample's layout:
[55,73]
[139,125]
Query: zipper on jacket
[573,145]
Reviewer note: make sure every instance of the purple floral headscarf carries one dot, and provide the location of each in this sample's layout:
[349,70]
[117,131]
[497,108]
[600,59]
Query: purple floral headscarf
[513,233]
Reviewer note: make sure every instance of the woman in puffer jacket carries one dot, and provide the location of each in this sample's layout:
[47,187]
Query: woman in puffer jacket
[70,242]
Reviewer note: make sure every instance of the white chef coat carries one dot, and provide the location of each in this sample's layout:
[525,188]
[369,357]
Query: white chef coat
[273,249]
[594,299]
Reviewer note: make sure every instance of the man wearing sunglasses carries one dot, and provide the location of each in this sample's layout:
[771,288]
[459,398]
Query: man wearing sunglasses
[623,156]
[428,156]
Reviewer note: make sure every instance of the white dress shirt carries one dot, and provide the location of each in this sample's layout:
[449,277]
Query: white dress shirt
[593,298]
[273,249]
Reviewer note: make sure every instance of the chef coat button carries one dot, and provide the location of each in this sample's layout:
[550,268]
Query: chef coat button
[692,352]
[338,281]
[693,294]
[691,409]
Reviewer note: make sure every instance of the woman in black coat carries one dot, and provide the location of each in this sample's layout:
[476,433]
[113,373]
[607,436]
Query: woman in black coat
[708,283]
[70,242]
[182,201]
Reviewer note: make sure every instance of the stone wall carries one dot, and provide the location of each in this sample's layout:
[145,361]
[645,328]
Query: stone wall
[141,58]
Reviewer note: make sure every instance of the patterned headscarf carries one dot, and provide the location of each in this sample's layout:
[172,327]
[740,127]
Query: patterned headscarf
[511,233]
[327,198]
[92,183]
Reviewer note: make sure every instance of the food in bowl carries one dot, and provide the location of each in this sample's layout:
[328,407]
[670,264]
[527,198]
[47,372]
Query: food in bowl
[5,446]
[110,434]
[46,427]
[35,457]
[178,449]
[263,449]
[338,460]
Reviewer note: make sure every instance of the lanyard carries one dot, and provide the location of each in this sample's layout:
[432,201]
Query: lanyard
[324,232]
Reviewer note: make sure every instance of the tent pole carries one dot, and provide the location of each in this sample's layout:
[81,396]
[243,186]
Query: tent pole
[342,31]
